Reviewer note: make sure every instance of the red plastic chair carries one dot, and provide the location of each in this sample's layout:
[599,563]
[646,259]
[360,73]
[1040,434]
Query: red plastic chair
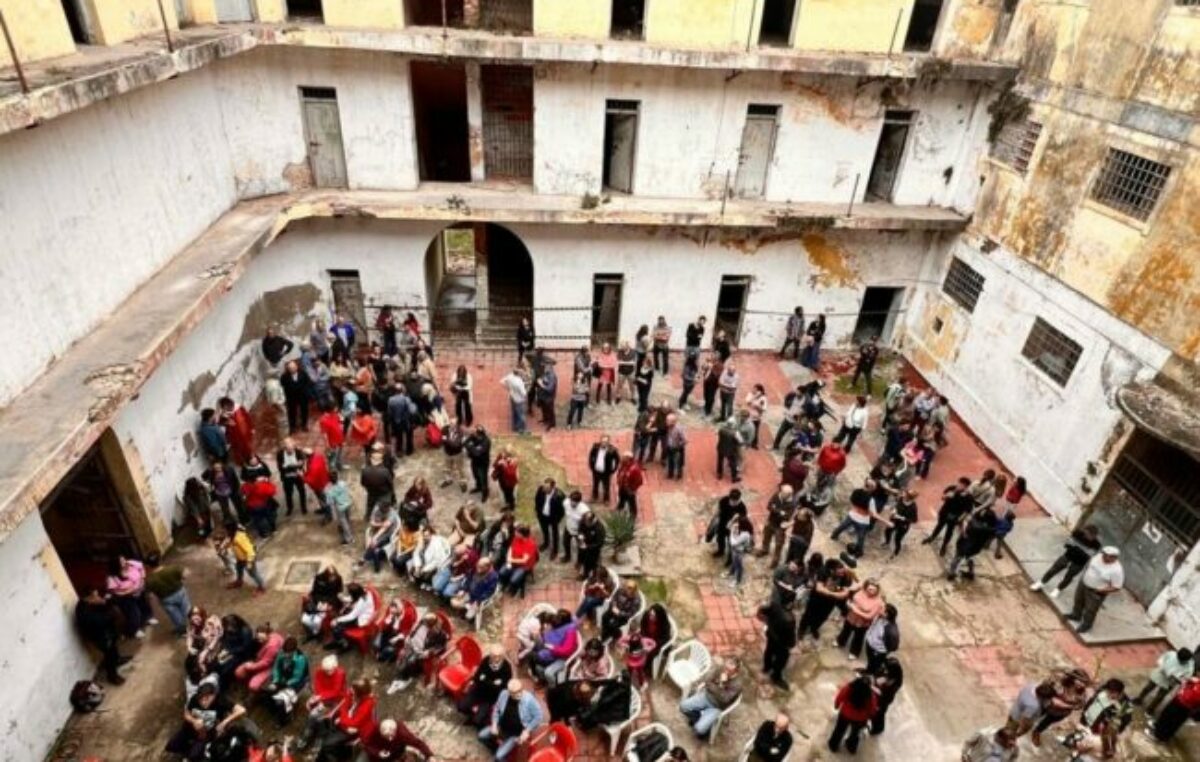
[562,747]
[362,636]
[454,678]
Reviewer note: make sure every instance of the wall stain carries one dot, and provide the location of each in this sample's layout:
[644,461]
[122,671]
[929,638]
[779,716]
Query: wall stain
[193,393]
[832,262]
[287,308]
[298,175]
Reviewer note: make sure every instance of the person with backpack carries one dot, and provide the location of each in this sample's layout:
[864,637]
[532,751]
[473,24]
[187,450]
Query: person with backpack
[98,626]
[882,638]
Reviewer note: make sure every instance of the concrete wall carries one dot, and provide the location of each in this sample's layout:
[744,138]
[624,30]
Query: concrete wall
[572,18]
[701,23]
[1055,436]
[1178,604]
[45,656]
[376,14]
[115,21]
[38,28]
[866,26]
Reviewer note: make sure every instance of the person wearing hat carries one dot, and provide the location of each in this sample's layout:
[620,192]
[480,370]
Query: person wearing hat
[1102,577]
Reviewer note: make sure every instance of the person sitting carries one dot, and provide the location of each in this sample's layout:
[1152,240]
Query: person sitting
[637,648]
[329,691]
[195,674]
[322,601]
[428,639]
[418,500]
[516,715]
[353,720]
[598,588]
[593,663]
[257,672]
[558,644]
[407,539]
[497,538]
[772,742]
[207,716]
[391,740]
[625,603]
[717,693]
[381,528]
[569,700]
[448,579]
[237,647]
[521,561]
[486,684]
[530,631]
[389,638]
[469,522]
[478,588]
[359,613]
[611,704]
[289,676]
[432,553]
[204,635]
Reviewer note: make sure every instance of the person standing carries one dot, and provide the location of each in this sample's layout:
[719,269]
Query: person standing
[212,437]
[810,357]
[463,390]
[853,423]
[479,454]
[330,425]
[772,742]
[275,347]
[863,608]
[781,508]
[756,403]
[882,638]
[547,391]
[793,412]
[710,381]
[573,510]
[400,413]
[694,337]
[956,503]
[630,478]
[977,531]
[674,447]
[1102,577]
[341,505]
[728,508]
[645,382]
[606,372]
[166,584]
[289,461]
[662,345]
[245,557]
[856,703]
[603,460]
[592,535]
[627,366]
[868,354]
[903,517]
[517,398]
[1185,705]
[1077,551]
[1172,669]
[296,393]
[239,429]
[889,679]
[727,388]
[377,478]
[97,626]
[792,333]
[581,391]
[781,638]
[688,377]
[526,338]
[732,437]
[506,472]
[454,441]
[548,507]
[861,517]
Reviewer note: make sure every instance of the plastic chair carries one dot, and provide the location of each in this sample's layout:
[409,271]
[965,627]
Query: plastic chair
[562,676]
[454,678]
[660,659]
[616,581]
[563,744]
[533,611]
[716,728]
[362,636]
[616,729]
[687,664]
[483,606]
[651,728]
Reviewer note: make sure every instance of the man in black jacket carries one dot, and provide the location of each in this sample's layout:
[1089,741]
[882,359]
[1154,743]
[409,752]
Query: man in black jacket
[956,503]
[275,347]
[603,460]
[781,638]
[492,674]
[96,624]
[295,385]
[772,742]
[479,454]
[592,535]
[548,505]
[727,507]
[290,460]
[694,336]
[400,414]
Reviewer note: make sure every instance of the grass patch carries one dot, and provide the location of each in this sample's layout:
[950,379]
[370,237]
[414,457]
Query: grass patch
[534,467]
[655,589]
[884,371]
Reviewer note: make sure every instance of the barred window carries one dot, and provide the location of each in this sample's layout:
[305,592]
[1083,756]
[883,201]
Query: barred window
[1014,147]
[963,284]
[1130,184]
[1052,351]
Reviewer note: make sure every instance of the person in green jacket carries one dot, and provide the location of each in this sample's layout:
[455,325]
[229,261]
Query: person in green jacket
[289,676]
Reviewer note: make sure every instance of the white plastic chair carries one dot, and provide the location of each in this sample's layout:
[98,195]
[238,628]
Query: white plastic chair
[664,653]
[651,728]
[483,607]
[616,581]
[716,728]
[615,730]
[563,676]
[687,664]
[533,611]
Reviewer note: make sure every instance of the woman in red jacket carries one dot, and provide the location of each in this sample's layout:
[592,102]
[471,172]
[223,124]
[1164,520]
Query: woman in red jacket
[329,692]
[630,478]
[506,473]
[856,704]
[353,721]
[316,476]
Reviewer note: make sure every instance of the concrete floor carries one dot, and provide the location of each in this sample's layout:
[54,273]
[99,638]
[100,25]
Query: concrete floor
[966,647]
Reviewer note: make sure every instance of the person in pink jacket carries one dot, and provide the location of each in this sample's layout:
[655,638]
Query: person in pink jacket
[257,673]
[126,588]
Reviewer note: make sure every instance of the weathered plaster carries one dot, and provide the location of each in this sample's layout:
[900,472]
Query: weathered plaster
[39,30]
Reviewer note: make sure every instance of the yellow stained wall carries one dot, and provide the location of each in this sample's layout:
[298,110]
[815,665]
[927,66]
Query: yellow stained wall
[270,11]
[701,23]
[860,26]
[967,28]
[370,14]
[39,30]
[115,21]
[202,11]
[591,19]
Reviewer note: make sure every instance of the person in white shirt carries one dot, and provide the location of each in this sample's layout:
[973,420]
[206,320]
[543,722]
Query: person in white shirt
[1173,668]
[853,423]
[432,553]
[990,745]
[359,613]
[518,397]
[574,509]
[1102,577]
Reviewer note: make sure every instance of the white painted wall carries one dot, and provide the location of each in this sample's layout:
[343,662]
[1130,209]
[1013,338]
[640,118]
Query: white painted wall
[1179,603]
[1043,431]
[43,655]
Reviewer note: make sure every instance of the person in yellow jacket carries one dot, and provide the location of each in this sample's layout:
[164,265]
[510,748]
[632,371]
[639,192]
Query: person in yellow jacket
[245,557]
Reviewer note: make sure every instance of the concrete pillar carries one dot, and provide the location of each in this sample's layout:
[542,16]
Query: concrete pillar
[475,121]
[481,279]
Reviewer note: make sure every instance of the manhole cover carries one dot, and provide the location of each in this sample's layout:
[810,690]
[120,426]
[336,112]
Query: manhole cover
[301,572]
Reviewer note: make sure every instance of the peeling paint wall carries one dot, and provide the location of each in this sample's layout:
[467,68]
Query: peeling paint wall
[38,28]
[967,28]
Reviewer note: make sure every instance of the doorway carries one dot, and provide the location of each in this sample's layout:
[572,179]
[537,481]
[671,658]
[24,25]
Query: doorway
[77,21]
[348,301]
[509,16]
[893,139]
[606,307]
[479,283]
[86,520]
[776,27]
[305,10]
[440,108]
[922,25]
[877,316]
[731,306]
[429,13]
[508,122]
[323,135]
[620,144]
[758,149]
[628,19]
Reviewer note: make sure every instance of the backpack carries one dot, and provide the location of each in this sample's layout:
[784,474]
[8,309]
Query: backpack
[433,435]
[86,696]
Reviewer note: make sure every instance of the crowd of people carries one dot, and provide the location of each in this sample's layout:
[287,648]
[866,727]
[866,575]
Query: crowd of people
[373,402]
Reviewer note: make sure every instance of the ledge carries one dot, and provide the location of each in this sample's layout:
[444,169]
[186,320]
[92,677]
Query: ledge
[63,85]
[89,384]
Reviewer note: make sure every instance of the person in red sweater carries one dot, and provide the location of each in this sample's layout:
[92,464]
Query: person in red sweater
[272,752]
[831,461]
[353,721]
[239,429]
[630,478]
[390,741]
[329,692]
[363,430]
[506,473]
[316,476]
[331,426]
[856,703]
[261,505]
[1185,704]
[522,558]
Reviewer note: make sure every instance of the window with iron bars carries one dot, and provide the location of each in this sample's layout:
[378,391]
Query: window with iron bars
[963,284]
[1130,183]
[1015,144]
[1051,350]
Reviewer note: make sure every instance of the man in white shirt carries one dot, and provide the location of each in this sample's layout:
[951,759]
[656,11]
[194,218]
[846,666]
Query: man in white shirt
[1102,577]
[573,511]
[518,397]
[853,423]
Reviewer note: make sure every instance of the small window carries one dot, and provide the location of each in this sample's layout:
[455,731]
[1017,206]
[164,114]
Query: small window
[1052,351]
[1014,147]
[1130,184]
[963,284]
[1188,3]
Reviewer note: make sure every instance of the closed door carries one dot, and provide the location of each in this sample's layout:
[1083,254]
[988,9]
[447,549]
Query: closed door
[758,147]
[234,10]
[323,132]
[620,145]
[606,307]
[348,298]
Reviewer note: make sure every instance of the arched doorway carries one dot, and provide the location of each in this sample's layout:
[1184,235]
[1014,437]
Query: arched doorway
[478,283]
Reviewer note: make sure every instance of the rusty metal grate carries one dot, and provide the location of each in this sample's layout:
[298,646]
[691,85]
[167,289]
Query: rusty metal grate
[508,121]
[1051,350]
[1130,183]
[301,572]
[963,284]
[1015,145]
